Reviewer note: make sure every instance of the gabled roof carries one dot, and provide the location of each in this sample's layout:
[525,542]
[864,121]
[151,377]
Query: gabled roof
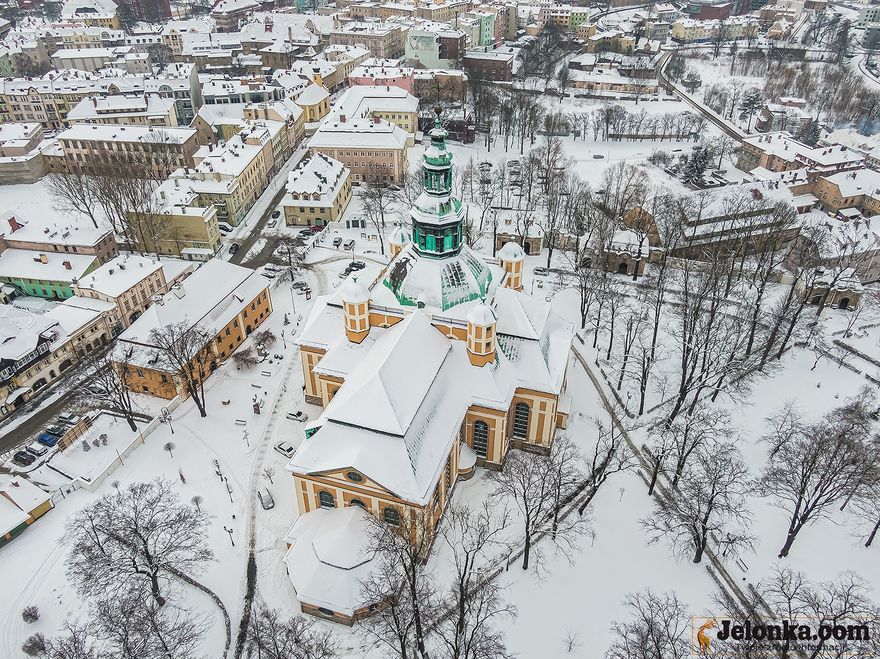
[384,391]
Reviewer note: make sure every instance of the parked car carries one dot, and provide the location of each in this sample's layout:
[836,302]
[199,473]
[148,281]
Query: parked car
[306,233]
[598,156]
[272,267]
[36,449]
[541,272]
[234,247]
[56,430]
[357,265]
[271,224]
[266,499]
[298,416]
[285,449]
[23,458]
[300,285]
[269,274]
[224,228]
[276,214]
[316,228]
[348,244]
[69,419]
[344,274]
[337,241]
[47,440]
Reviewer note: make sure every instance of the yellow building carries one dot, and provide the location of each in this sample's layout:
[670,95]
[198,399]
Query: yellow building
[226,301]
[21,504]
[421,381]
[318,192]
[314,101]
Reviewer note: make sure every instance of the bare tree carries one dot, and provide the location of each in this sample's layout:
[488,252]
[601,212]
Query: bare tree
[273,636]
[185,350]
[657,628]
[866,507]
[244,358]
[821,464]
[109,385]
[74,192]
[693,431]
[136,536]
[610,455]
[377,202]
[711,502]
[476,601]
[75,642]
[401,584]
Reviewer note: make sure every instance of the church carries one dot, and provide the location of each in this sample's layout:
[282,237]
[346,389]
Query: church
[432,366]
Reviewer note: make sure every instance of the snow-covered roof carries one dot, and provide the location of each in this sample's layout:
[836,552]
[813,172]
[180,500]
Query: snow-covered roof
[511,251]
[27,264]
[119,274]
[74,231]
[856,183]
[146,134]
[21,331]
[320,175]
[312,94]
[18,497]
[330,558]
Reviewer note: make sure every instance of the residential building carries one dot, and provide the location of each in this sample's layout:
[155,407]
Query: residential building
[18,139]
[494,65]
[392,104]
[859,189]
[129,110]
[564,17]
[376,72]
[228,13]
[779,152]
[44,274]
[130,282]
[382,40]
[688,30]
[435,46]
[21,504]
[318,192]
[43,235]
[314,101]
[91,148]
[225,301]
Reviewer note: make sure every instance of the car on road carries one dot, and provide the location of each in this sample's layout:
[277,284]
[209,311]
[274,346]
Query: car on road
[541,272]
[345,273]
[36,449]
[23,458]
[69,419]
[234,247]
[224,228]
[337,241]
[357,265]
[271,224]
[306,233]
[56,430]
[276,215]
[266,499]
[285,449]
[47,440]
[348,244]
[300,285]
[298,416]
[269,274]
[598,156]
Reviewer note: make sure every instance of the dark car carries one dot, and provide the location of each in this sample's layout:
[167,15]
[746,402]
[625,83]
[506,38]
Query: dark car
[337,241]
[276,214]
[23,458]
[305,233]
[357,265]
[47,440]
[234,247]
[56,430]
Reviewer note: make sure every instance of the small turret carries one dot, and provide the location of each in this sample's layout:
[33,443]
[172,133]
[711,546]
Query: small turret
[355,310]
[511,256]
[481,335]
[397,241]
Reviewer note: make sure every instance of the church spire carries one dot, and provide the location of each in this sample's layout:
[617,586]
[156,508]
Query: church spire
[437,215]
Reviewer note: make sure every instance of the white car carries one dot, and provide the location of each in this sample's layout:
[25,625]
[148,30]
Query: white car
[69,419]
[297,416]
[285,449]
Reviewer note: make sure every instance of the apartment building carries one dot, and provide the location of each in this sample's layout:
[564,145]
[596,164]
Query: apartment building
[47,275]
[255,89]
[383,72]
[696,31]
[494,65]
[226,301]
[564,17]
[130,283]
[18,139]
[92,13]
[43,235]
[125,109]
[318,192]
[858,189]
[779,152]
[48,100]
[91,148]
[227,13]
[383,40]
[373,149]
[392,104]
[434,46]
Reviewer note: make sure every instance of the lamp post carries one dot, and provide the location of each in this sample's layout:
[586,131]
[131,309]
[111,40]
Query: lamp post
[229,531]
[165,417]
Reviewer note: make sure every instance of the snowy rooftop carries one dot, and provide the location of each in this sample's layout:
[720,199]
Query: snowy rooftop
[320,175]
[21,331]
[15,226]
[26,264]
[119,274]
[856,183]
[312,94]
[147,134]
[18,497]
[783,145]
[121,105]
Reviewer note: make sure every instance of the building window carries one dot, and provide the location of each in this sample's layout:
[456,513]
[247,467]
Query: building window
[326,499]
[481,438]
[358,503]
[354,477]
[391,516]
[521,420]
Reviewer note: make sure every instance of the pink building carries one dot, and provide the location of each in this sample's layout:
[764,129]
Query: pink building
[382,72]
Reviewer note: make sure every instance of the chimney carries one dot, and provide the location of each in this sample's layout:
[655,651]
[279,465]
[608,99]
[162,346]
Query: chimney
[43,258]
[342,118]
[14,224]
[67,265]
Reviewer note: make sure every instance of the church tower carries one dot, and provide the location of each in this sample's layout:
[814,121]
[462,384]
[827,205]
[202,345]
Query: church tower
[437,215]
[355,310]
